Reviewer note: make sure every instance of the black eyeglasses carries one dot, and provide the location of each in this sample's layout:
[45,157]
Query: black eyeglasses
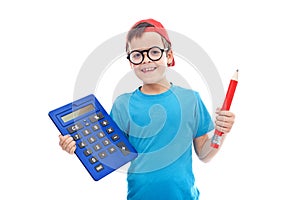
[136,57]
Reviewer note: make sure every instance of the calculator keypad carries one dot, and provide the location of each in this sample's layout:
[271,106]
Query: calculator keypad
[97,139]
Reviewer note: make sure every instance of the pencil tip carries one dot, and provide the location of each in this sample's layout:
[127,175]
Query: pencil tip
[237,70]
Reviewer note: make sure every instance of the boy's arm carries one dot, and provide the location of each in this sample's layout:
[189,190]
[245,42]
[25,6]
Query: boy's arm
[203,149]
[224,122]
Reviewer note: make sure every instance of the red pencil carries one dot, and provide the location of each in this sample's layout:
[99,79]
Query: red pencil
[216,140]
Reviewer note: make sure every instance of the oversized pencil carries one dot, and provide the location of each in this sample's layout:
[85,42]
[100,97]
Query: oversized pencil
[216,140]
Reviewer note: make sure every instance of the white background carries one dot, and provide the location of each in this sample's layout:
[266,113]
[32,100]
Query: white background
[44,44]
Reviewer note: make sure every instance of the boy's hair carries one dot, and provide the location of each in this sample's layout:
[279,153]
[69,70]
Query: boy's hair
[138,30]
[149,25]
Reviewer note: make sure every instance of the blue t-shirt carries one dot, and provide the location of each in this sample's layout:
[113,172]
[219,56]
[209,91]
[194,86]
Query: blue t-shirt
[162,128]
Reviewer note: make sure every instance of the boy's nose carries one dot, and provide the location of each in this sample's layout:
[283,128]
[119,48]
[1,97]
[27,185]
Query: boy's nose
[146,58]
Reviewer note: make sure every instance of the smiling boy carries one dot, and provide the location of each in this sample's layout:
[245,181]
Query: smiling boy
[161,120]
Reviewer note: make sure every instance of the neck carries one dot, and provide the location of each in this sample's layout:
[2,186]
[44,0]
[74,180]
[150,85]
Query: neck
[156,88]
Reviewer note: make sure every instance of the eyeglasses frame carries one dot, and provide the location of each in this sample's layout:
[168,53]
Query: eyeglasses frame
[147,51]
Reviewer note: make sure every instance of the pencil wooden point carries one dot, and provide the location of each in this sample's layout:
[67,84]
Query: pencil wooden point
[235,75]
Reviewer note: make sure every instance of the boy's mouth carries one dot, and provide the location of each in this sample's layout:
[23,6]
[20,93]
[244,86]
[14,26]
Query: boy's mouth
[148,69]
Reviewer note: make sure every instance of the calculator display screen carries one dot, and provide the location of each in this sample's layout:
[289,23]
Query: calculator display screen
[77,113]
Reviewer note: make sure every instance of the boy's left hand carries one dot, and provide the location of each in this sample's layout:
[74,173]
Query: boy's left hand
[224,120]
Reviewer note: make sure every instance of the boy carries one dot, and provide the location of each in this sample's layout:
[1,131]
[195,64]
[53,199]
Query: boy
[161,121]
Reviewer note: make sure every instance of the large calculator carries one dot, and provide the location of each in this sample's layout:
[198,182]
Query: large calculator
[100,144]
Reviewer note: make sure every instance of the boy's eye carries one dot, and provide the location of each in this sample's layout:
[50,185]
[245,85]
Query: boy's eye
[136,55]
[155,52]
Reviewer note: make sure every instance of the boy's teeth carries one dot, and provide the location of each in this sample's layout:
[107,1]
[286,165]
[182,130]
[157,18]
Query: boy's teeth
[148,69]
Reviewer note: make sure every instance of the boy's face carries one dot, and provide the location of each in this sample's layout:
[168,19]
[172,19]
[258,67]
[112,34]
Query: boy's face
[149,71]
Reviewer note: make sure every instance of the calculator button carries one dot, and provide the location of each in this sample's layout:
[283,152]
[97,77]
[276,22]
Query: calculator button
[100,134]
[86,123]
[103,154]
[109,130]
[99,167]
[111,149]
[96,117]
[93,160]
[115,137]
[96,127]
[86,132]
[104,123]
[123,148]
[87,152]
[97,147]
[92,139]
[106,142]
[82,144]
[75,127]
[77,136]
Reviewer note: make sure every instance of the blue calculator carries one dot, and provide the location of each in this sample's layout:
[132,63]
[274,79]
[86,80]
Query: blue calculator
[100,144]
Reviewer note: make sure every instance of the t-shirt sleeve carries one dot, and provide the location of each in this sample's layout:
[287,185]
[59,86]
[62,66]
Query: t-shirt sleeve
[204,123]
[119,114]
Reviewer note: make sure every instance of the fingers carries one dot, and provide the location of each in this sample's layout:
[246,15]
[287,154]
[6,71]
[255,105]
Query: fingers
[224,113]
[224,120]
[223,126]
[67,143]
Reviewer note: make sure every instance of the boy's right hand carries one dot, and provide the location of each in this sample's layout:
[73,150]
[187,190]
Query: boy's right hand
[67,143]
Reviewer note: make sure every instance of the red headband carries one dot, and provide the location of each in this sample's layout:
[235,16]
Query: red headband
[157,28]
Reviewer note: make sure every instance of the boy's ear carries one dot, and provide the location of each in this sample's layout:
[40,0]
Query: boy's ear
[170,56]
